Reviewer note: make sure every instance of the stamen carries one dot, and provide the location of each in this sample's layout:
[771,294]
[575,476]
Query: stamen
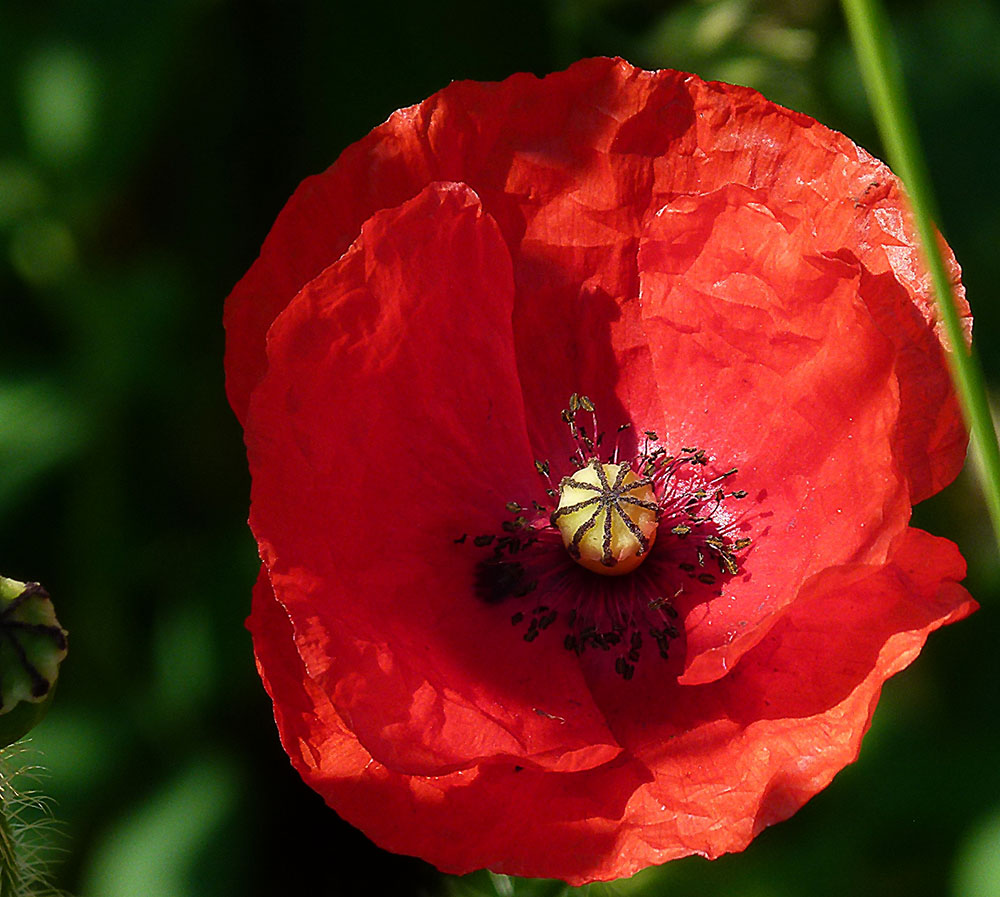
[605,516]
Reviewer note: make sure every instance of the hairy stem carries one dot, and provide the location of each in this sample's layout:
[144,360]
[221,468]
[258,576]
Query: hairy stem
[9,874]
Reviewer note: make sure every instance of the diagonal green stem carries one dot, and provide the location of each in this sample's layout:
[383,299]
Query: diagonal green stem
[883,79]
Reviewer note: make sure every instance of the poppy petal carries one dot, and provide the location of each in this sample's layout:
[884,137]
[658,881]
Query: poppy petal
[778,368]
[713,764]
[383,606]
[571,166]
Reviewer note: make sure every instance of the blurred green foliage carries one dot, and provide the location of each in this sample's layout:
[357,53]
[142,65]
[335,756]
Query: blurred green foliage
[144,151]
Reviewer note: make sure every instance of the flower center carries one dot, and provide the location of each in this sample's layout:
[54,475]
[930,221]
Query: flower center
[607,517]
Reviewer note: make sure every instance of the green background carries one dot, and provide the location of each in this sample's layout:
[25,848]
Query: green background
[145,149]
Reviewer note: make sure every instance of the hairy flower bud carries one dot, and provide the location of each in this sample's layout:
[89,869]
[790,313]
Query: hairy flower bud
[32,645]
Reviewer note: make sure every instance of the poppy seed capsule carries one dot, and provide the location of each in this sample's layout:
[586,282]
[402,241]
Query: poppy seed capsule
[607,517]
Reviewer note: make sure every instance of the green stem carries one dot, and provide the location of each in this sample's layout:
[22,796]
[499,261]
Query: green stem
[883,79]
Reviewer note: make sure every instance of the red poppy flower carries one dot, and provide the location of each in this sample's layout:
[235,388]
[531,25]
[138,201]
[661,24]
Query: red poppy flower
[417,357]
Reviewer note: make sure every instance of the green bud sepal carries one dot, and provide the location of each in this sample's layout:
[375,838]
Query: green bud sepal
[32,646]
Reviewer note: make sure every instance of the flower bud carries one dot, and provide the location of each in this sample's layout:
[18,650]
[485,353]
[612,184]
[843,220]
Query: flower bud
[32,645]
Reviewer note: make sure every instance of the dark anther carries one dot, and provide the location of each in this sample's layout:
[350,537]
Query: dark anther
[516,618]
[586,404]
[542,467]
[514,507]
[497,579]
[546,621]
[706,578]
[483,541]
[460,539]
[526,588]
[574,402]
[624,669]
[727,564]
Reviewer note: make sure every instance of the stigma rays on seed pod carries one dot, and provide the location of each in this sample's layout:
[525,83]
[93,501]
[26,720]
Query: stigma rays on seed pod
[621,537]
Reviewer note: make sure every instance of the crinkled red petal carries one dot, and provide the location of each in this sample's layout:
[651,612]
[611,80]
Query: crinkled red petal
[571,167]
[705,769]
[388,424]
[782,371]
